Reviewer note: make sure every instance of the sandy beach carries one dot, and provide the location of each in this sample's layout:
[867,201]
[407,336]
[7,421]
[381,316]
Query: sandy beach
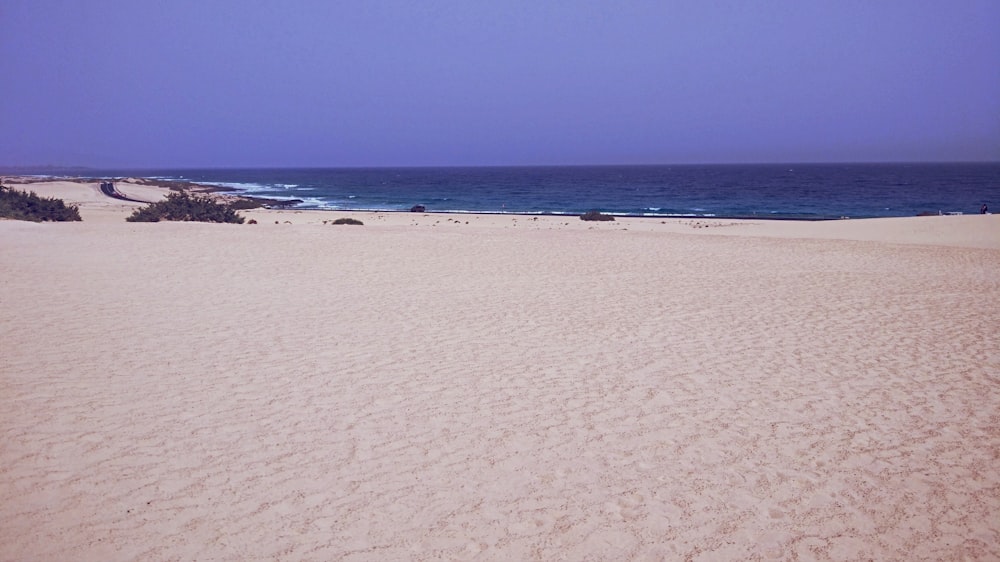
[497,387]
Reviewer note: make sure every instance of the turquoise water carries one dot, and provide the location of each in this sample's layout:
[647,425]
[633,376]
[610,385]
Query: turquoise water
[809,191]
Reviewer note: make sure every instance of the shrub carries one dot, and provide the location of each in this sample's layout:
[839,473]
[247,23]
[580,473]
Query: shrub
[182,206]
[348,221]
[30,207]
[596,216]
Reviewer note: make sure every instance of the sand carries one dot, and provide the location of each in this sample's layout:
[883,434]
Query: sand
[450,387]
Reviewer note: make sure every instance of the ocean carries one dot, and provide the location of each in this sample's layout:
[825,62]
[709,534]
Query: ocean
[793,191]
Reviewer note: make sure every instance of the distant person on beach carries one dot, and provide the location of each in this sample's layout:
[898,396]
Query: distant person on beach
[983,209]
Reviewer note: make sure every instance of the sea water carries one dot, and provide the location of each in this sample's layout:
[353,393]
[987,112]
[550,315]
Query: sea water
[802,191]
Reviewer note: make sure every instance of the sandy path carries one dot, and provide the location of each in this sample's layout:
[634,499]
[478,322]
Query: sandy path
[219,392]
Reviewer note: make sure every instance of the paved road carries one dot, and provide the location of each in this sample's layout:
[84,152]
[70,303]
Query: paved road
[108,188]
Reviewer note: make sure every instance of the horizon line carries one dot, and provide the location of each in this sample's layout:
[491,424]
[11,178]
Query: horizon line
[53,167]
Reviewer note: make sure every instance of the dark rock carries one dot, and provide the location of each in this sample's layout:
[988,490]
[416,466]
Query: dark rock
[275,204]
[596,216]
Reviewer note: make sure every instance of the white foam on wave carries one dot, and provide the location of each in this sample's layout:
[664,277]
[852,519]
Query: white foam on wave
[678,215]
[505,212]
[308,202]
[236,185]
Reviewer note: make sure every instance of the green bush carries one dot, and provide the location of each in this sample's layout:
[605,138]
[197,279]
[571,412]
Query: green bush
[182,206]
[348,221]
[30,207]
[596,216]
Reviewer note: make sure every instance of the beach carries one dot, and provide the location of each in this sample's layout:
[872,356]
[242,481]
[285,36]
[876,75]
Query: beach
[497,387]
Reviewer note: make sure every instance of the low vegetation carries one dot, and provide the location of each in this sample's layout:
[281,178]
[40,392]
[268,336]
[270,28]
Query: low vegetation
[347,220]
[23,206]
[596,216]
[182,206]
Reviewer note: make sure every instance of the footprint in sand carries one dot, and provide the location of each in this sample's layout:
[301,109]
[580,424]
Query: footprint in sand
[771,545]
[629,507]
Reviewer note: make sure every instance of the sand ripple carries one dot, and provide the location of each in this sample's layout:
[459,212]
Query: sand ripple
[200,392]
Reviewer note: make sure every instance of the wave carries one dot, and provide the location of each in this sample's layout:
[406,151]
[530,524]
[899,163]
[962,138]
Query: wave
[764,191]
[242,186]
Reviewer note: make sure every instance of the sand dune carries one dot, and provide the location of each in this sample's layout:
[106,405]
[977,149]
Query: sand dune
[508,389]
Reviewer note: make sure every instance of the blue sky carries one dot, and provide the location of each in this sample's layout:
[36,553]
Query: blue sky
[326,83]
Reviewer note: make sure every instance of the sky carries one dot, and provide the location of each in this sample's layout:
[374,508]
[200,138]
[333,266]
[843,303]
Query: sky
[327,83]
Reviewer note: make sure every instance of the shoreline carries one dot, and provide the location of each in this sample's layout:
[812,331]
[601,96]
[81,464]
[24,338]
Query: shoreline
[497,388]
[972,231]
[292,203]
